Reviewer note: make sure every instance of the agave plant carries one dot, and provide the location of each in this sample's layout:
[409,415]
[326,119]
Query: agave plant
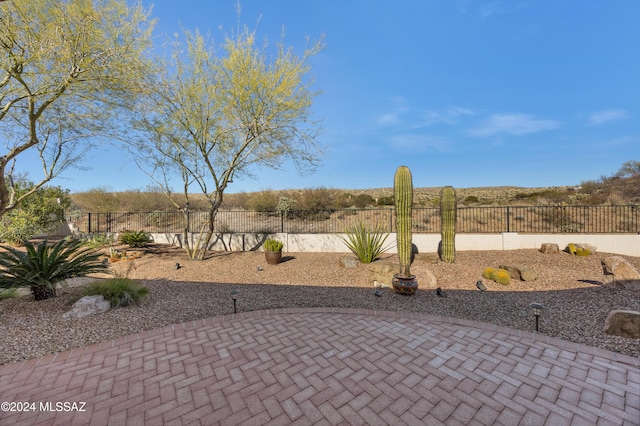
[366,243]
[41,268]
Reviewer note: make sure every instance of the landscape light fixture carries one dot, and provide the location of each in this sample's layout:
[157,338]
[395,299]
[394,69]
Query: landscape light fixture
[537,310]
[234,296]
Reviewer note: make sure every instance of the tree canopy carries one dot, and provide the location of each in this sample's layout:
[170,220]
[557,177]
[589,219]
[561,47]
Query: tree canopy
[217,114]
[66,68]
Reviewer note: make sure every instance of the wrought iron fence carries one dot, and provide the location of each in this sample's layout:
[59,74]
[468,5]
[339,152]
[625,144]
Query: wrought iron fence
[522,219]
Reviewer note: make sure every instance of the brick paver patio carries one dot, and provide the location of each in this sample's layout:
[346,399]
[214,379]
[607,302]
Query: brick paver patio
[326,366]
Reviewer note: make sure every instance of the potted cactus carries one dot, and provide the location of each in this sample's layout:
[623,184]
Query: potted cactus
[404,282]
[272,251]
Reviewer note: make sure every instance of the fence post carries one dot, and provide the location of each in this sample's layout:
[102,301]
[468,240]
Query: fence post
[508,219]
[282,221]
[89,219]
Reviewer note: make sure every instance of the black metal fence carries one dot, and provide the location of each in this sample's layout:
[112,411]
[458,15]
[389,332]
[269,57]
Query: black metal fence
[523,219]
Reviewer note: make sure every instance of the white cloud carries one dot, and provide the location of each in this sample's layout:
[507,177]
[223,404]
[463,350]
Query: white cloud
[418,143]
[513,124]
[450,116]
[606,116]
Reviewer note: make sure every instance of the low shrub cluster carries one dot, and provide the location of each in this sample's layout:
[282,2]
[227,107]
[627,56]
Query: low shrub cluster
[501,276]
[118,291]
[577,251]
[134,238]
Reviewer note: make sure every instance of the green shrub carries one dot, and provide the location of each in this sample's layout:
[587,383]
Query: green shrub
[271,244]
[118,291]
[134,238]
[385,201]
[264,202]
[367,244]
[98,241]
[41,268]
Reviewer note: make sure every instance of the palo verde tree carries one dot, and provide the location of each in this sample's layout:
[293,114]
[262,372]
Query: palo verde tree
[216,115]
[66,67]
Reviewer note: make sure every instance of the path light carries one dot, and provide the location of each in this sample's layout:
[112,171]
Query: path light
[234,296]
[537,310]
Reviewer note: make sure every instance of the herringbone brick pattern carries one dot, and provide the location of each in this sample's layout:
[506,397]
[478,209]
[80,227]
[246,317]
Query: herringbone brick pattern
[328,366]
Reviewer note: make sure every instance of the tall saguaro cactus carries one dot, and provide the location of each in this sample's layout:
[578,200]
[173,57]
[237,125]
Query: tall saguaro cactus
[403,192]
[448,209]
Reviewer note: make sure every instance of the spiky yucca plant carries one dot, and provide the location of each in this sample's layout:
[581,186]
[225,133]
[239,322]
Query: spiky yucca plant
[368,244]
[41,268]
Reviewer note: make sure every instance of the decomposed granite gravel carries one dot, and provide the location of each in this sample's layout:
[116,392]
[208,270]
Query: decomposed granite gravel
[571,288]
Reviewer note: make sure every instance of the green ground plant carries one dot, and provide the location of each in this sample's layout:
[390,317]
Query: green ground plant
[8,294]
[368,244]
[118,291]
[97,241]
[41,268]
[501,276]
[134,238]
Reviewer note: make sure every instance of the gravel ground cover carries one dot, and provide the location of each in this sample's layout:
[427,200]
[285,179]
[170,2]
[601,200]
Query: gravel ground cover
[571,288]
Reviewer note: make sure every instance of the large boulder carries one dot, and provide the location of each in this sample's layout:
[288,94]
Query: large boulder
[382,274]
[88,306]
[349,262]
[624,274]
[550,248]
[575,248]
[520,272]
[623,323]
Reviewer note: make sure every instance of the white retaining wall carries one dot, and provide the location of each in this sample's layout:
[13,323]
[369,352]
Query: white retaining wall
[625,244]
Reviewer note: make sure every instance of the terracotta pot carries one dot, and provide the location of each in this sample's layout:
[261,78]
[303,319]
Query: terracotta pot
[404,285]
[273,257]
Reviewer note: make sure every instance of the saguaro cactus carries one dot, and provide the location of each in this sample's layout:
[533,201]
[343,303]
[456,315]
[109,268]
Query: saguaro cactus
[448,208]
[403,192]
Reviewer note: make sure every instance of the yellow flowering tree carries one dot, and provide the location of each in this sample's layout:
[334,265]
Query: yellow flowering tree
[66,67]
[217,114]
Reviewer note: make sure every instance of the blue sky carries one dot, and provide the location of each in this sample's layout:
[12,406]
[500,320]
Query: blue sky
[466,93]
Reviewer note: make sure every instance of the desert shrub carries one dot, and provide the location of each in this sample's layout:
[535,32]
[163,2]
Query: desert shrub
[285,206]
[118,291]
[471,199]
[385,201]
[366,243]
[96,200]
[501,276]
[318,199]
[97,241]
[134,238]
[363,200]
[264,202]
